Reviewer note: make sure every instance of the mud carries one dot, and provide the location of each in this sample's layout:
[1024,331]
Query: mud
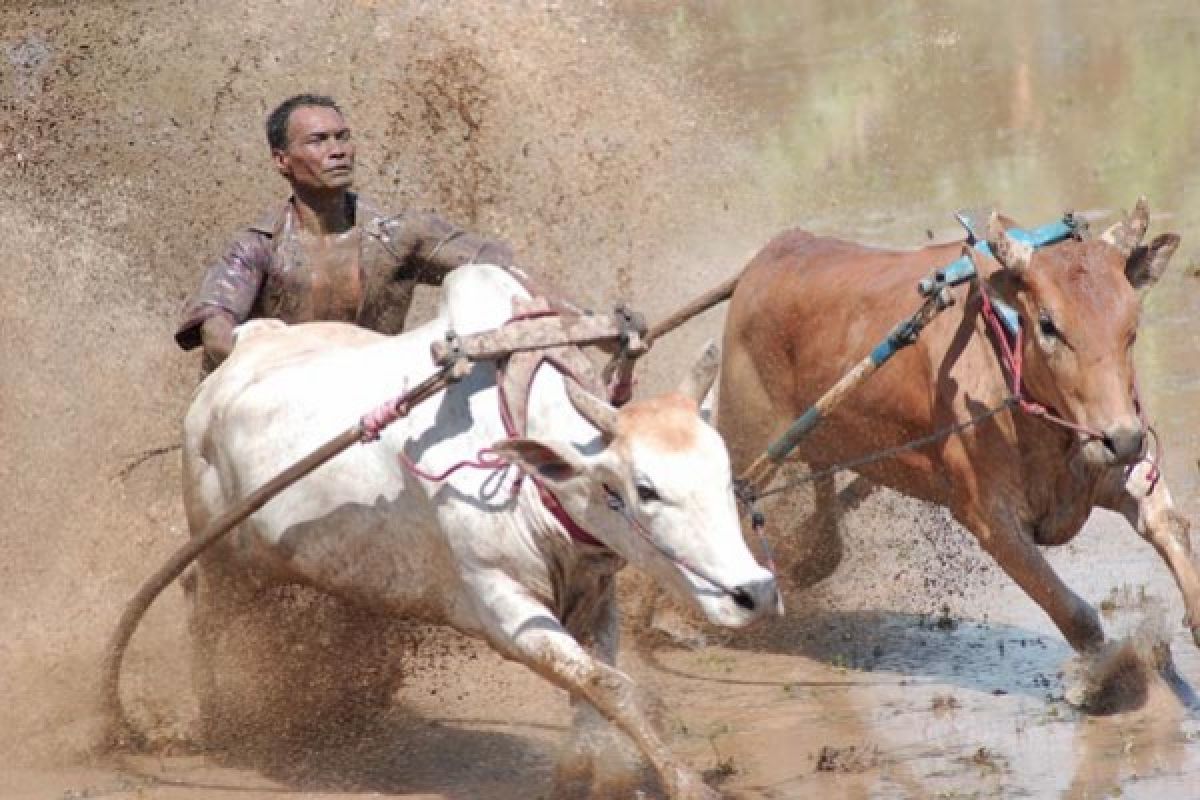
[629,150]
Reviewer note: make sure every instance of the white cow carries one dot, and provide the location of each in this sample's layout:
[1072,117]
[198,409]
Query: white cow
[467,551]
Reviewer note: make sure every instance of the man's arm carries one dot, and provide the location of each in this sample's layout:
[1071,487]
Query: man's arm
[217,336]
[225,296]
[439,246]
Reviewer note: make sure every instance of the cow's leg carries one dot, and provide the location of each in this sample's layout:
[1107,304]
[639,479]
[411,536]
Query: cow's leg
[596,753]
[1020,557]
[821,536]
[1151,511]
[522,629]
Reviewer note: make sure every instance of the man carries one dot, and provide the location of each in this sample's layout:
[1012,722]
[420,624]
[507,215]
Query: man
[326,253]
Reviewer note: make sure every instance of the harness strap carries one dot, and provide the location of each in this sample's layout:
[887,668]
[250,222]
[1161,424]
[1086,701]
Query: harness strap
[555,507]
[551,502]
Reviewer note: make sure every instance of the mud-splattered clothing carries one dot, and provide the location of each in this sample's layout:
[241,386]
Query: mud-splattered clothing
[367,275]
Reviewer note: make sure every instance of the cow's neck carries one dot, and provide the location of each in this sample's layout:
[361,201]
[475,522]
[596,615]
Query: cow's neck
[547,413]
[566,570]
[1058,486]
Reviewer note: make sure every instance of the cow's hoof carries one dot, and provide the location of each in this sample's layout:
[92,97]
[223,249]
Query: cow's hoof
[1111,679]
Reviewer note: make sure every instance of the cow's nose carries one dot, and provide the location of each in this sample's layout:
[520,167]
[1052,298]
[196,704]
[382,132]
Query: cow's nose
[756,595]
[1125,443]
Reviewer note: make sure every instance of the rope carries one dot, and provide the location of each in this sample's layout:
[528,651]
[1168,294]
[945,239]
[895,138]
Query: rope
[617,503]
[484,459]
[1011,359]
[891,452]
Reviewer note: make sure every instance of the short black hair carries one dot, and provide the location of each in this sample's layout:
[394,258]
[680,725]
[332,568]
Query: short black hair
[277,120]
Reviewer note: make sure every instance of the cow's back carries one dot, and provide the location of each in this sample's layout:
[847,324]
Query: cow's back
[806,310]
[360,525]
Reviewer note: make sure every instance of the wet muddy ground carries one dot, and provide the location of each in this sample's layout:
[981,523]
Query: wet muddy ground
[840,699]
[665,142]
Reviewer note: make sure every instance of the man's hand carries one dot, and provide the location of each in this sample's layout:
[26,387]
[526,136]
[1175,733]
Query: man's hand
[217,336]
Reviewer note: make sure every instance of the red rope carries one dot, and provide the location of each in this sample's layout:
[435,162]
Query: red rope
[373,422]
[485,459]
[1156,459]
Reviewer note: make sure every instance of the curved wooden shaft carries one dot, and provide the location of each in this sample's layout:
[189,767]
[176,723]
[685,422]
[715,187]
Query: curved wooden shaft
[120,730]
[115,651]
[715,295]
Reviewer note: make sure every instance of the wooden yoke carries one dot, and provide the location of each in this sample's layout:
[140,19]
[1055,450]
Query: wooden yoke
[544,328]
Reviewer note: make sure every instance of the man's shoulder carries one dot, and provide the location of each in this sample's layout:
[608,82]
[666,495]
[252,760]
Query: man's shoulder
[270,221]
[368,212]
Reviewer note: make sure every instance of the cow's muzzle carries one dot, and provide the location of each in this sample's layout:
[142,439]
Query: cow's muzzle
[755,596]
[1124,444]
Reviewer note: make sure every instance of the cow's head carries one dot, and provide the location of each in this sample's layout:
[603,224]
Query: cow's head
[1079,309]
[659,492]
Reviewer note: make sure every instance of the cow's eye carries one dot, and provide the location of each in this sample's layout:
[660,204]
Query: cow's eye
[647,493]
[1047,327]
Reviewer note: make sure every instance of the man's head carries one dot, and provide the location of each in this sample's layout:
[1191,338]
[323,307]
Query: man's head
[310,143]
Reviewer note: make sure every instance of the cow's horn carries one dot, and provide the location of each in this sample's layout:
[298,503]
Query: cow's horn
[1012,254]
[593,409]
[702,374]
[1127,234]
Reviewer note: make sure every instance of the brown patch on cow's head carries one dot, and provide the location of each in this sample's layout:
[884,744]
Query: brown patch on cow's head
[668,422]
[1080,311]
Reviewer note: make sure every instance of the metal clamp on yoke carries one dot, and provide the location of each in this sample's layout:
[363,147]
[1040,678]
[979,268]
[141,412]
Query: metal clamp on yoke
[632,331]
[450,355]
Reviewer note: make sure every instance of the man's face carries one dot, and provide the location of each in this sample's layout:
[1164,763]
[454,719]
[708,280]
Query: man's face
[319,152]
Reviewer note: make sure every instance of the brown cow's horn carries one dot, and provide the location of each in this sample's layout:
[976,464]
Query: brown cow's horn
[1127,234]
[593,409]
[1013,255]
[702,374]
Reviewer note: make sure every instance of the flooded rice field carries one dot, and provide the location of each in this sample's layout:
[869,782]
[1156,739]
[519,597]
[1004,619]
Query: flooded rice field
[634,150]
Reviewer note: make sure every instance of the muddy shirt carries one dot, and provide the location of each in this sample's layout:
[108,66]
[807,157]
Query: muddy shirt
[366,275]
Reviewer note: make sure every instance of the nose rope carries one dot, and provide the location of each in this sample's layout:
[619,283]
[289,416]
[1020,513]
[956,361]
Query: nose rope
[617,504]
[1155,472]
[1154,455]
[758,524]
[1012,360]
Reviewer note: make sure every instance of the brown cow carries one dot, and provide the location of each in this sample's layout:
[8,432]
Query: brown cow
[807,308]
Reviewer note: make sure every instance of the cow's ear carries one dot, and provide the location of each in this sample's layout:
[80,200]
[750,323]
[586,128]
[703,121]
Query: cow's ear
[699,380]
[1147,263]
[551,461]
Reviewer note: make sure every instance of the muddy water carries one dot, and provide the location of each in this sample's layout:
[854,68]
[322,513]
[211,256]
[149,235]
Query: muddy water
[666,140]
[877,122]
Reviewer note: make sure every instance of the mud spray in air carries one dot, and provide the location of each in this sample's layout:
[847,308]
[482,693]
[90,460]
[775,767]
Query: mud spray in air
[131,148]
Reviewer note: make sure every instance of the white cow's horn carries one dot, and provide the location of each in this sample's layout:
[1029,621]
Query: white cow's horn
[593,409]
